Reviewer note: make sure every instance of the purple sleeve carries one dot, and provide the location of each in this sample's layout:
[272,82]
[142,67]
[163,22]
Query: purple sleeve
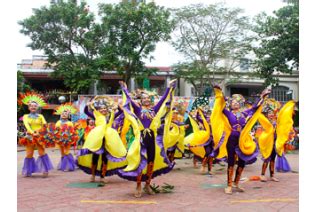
[252,110]
[198,117]
[88,113]
[118,112]
[157,107]
[227,113]
[136,107]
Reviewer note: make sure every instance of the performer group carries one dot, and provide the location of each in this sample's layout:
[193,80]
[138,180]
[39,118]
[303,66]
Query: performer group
[139,138]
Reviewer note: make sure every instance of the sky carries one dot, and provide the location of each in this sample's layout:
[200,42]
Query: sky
[164,55]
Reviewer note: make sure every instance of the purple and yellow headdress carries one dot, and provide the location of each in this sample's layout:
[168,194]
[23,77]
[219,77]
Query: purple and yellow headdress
[238,97]
[138,94]
[66,107]
[271,104]
[104,101]
[179,107]
[29,97]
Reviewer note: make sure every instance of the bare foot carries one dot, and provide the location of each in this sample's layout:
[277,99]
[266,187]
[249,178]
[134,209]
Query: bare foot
[238,188]
[228,190]
[263,178]
[274,179]
[138,192]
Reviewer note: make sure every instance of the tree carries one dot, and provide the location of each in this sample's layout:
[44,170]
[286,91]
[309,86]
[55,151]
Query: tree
[131,32]
[278,37]
[212,39]
[21,85]
[65,31]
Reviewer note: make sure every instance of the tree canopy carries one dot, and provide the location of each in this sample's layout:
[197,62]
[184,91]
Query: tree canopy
[278,39]
[65,32]
[131,32]
[212,39]
[80,49]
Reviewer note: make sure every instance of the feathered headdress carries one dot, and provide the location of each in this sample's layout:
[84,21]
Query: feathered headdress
[67,106]
[239,98]
[179,107]
[271,104]
[139,92]
[29,97]
[103,101]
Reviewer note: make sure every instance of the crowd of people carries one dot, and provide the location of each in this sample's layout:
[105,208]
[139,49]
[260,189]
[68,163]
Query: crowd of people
[139,140]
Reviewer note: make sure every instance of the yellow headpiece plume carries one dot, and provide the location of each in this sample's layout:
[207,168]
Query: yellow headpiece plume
[67,106]
[30,97]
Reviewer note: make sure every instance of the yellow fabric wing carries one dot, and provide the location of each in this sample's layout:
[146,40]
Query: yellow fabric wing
[266,138]
[113,143]
[219,123]
[133,156]
[284,125]
[246,143]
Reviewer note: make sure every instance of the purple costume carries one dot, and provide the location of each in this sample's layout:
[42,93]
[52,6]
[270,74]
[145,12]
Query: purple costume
[148,140]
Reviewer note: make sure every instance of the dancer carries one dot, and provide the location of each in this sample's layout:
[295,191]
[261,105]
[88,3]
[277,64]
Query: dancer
[103,152]
[275,127]
[234,125]
[67,136]
[146,156]
[200,141]
[34,122]
[177,133]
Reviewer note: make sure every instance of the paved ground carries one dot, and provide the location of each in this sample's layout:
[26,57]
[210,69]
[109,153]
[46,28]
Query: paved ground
[193,191]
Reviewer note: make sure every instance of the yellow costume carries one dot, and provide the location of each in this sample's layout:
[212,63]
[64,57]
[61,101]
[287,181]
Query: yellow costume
[102,139]
[34,123]
[137,154]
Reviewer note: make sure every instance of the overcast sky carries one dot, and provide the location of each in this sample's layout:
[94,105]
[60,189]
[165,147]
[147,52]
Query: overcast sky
[164,54]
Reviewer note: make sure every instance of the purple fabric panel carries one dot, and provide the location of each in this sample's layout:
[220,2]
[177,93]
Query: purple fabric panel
[29,167]
[87,151]
[88,113]
[162,99]
[246,158]
[282,164]
[132,175]
[67,163]
[44,163]
[137,108]
[114,159]
[251,161]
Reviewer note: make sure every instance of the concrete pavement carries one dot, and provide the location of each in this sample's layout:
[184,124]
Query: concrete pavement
[193,191]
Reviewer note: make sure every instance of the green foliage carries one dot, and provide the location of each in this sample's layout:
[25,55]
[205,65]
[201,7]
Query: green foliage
[131,32]
[22,86]
[207,36]
[65,31]
[278,50]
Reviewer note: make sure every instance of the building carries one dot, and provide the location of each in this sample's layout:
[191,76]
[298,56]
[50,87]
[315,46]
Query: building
[38,76]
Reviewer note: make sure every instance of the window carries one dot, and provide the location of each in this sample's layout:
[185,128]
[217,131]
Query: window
[281,94]
[244,64]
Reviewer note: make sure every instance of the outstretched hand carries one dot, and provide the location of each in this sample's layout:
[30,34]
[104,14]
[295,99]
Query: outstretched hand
[217,86]
[265,92]
[123,84]
[173,83]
